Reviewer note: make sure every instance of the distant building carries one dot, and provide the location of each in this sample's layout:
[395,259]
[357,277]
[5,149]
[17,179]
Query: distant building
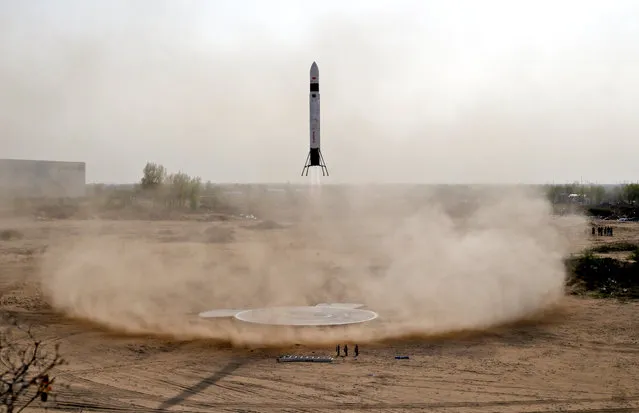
[21,178]
[566,198]
[580,199]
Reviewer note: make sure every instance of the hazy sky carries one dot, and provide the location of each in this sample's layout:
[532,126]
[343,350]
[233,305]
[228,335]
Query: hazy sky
[412,91]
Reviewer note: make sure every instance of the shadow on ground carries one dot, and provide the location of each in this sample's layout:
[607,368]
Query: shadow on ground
[203,384]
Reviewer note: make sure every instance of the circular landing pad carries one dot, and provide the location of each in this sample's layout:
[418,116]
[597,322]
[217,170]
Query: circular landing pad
[306,316]
[340,305]
[222,313]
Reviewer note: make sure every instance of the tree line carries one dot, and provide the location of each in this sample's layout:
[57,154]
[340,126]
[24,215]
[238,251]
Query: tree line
[179,189]
[597,194]
[173,189]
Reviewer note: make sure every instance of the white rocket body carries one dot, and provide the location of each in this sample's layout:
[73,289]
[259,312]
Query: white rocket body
[314,107]
[315,157]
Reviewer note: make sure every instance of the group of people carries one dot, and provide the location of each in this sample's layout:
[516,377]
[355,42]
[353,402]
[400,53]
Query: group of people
[601,231]
[337,348]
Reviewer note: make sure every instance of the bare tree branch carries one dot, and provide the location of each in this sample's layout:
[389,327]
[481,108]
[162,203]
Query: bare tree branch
[26,367]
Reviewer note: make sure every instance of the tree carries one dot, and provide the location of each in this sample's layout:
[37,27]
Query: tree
[183,188]
[596,193]
[178,188]
[26,367]
[195,188]
[552,191]
[631,192]
[172,189]
[153,177]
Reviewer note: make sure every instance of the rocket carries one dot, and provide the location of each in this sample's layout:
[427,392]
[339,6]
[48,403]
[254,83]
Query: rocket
[314,157]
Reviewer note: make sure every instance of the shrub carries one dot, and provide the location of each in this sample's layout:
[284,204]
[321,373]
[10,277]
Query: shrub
[615,247]
[604,275]
[10,234]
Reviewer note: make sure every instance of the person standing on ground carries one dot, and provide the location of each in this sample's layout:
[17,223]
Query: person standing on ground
[356,350]
[345,350]
[337,349]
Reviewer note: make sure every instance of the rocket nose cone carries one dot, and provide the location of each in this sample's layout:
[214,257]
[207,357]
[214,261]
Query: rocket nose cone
[314,71]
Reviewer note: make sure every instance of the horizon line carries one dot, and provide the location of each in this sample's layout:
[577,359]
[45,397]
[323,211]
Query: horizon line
[392,183]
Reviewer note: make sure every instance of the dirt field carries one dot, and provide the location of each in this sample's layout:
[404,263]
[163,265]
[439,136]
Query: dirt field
[582,355]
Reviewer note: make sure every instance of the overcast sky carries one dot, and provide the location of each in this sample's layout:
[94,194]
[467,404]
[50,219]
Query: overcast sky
[412,91]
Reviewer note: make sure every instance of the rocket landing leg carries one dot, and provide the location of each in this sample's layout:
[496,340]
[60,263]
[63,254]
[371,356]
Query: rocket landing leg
[315,158]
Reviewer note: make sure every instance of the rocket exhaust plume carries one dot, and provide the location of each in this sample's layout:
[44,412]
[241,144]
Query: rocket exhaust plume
[314,157]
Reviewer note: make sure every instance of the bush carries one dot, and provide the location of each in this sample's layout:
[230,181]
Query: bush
[605,276]
[600,212]
[10,234]
[615,247]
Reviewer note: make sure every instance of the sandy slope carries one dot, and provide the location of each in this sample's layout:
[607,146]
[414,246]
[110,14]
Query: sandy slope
[583,356]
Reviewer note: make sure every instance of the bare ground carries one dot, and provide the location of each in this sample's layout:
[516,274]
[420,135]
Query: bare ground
[582,356]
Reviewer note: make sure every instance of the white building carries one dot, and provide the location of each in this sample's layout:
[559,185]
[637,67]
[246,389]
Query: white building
[21,178]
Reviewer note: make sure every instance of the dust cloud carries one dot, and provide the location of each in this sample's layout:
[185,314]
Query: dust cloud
[428,261]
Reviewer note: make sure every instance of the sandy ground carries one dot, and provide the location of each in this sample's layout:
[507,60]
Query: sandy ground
[581,356]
